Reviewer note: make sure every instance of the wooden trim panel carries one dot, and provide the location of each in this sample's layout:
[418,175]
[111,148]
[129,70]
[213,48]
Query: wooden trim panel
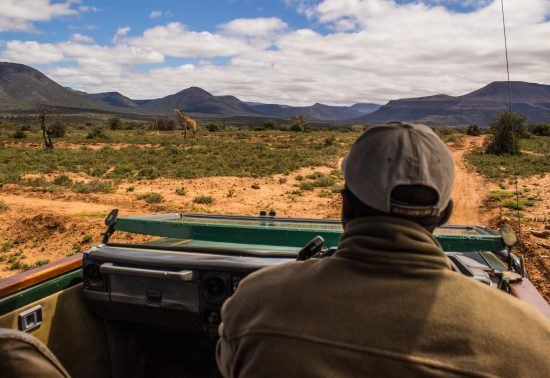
[32,277]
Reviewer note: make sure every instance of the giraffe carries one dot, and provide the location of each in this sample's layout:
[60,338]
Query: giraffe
[185,122]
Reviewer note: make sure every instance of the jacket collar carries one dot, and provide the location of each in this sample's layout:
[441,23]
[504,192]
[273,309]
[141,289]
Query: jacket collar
[391,242]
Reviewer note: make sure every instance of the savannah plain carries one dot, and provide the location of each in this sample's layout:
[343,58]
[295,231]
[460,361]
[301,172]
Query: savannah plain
[53,202]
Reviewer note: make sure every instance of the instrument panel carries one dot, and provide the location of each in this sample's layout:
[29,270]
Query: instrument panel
[173,289]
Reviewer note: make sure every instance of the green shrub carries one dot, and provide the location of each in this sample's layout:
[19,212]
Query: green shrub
[504,141]
[214,126]
[151,197]
[148,172]
[497,195]
[542,129]
[3,206]
[94,186]
[324,181]
[58,129]
[115,124]
[514,205]
[41,262]
[62,180]
[267,125]
[203,200]
[473,130]
[306,186]
[19,134]
[87,239]
[164,124]
[97,132]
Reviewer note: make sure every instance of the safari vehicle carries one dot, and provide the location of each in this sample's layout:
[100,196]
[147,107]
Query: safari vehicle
[153,308]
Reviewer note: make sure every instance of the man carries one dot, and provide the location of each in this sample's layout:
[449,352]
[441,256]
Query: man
[387,302]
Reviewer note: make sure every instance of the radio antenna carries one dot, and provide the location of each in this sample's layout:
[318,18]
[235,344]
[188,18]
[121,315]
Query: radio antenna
[514,163]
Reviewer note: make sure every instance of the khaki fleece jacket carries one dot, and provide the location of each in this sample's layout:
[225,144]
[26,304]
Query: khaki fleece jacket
[385,304]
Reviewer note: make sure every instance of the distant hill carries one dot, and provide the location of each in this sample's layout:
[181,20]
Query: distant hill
[112,99]
[479,107]
[24,87]
[317,111]
[195,100]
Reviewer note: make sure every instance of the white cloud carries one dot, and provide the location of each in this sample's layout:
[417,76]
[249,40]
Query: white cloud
[375,50]
[255,27]
[155,14]
[77,37]
[31,52]
[174,39]
[121,32]
[20,15]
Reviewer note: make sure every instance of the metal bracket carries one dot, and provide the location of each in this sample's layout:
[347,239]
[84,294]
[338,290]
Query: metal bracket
[110,222]
[30,319]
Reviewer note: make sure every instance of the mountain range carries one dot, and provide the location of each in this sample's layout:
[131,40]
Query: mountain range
[478,107]
[24,88]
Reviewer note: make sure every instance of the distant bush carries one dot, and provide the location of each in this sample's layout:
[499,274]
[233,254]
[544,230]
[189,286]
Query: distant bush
[473,130]
[148,172]
[445,131]
[96,132]
[19,134]
[299,123]
[115,124]
[542,129]
[151,197]
[94,186]
[505,136]
[266,125]
[3,206]
[214,126]
[58,129]
[26,127]
[62,180]
[164,124]
[203,200]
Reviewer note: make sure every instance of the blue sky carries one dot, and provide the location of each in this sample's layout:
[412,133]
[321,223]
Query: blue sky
[284,51]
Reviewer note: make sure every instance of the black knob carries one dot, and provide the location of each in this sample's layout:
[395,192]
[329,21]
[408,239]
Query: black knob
[214,287]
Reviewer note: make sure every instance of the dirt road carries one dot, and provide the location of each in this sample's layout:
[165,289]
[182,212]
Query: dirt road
[470,188]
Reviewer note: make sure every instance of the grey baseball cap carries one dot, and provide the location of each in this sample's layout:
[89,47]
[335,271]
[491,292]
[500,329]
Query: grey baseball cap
[396,154]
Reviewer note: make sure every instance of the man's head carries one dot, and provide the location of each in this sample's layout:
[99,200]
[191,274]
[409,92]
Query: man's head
[399,170]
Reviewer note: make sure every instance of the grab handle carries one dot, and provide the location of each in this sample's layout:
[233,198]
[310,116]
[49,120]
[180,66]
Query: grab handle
[182,275]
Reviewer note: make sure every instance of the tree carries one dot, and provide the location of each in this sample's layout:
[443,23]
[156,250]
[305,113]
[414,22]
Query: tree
[58,129]
[542,129]
[47,130]
[214,126]
[164,124]
[115,123]
[505,134]
[299,123]
[269,125]
[473,130]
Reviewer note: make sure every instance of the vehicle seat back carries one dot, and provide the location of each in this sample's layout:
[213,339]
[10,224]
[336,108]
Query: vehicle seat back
[22,355]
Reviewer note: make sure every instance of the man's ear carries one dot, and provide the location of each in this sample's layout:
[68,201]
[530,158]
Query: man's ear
[446,215]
